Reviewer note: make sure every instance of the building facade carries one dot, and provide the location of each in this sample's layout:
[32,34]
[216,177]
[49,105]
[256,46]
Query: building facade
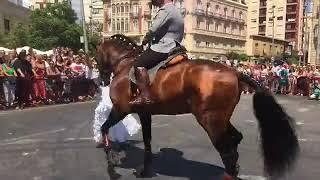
[11,14]
[261,46]
[281,19]
[94,15]
[313,34]
[212,27]
[40,4]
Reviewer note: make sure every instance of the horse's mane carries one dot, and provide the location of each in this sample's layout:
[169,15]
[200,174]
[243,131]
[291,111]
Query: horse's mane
[124,41]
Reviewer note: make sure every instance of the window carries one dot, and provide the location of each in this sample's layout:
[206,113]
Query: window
[118,26]
[280,18]
[113,26]
[126,8]
[197,43]
[126,26]
[207,44]
[216,27]
[199,4]
[253,20]
[225,28]
[135,25]
[113,9]
[6,25]
[257,44]
[118,9]
[233,13]
[122,9]
[198,23]
[217,9]
[232,29]
[225,12]
[240,15]
[122,26]
[208,26]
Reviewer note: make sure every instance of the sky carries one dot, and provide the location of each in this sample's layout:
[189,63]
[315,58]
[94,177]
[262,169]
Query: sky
[76,7]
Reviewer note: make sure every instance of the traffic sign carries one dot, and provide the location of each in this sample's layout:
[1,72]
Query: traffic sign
[300,53]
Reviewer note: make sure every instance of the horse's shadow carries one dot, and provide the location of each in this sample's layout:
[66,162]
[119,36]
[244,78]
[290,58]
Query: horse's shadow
[170,162]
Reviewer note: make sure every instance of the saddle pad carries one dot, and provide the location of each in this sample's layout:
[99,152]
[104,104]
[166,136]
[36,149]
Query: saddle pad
[152,72]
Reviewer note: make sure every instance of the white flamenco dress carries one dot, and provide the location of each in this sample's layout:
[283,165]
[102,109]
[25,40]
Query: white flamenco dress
[121,131]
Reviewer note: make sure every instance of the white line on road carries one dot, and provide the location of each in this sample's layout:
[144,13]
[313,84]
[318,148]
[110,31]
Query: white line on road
[36,134]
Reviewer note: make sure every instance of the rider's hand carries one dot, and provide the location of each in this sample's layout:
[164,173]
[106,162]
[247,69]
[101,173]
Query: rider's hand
[146,39]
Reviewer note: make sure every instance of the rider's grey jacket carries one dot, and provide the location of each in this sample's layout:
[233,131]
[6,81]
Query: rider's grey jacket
[167,29]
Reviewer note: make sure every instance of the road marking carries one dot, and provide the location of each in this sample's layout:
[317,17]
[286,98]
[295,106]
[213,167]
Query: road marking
[36,134]
[251,177]
[303,109]
[299,123]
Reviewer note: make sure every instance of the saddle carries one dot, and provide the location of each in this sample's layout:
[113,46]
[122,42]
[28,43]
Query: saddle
[175,56]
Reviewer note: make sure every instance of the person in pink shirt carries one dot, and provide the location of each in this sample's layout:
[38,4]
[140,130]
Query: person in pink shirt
[78,68]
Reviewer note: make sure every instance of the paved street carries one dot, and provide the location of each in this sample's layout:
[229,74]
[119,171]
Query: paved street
[54,143]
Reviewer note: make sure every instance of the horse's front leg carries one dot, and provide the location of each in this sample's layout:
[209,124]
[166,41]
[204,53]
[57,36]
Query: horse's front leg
[113,118]
[145,119]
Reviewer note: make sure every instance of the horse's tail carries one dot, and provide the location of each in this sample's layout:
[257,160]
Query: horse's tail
[277,130]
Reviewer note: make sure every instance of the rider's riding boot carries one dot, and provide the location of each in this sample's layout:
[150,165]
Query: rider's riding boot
[143,84]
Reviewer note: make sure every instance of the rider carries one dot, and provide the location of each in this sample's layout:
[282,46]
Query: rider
[166,31]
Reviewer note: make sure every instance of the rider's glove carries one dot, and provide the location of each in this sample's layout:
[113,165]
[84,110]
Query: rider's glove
[146,39]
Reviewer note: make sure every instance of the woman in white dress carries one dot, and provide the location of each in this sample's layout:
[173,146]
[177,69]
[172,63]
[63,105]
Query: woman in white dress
[118,133]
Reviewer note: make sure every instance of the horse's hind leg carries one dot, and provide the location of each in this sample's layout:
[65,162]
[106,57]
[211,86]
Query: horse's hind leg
[224,136]
[145,119]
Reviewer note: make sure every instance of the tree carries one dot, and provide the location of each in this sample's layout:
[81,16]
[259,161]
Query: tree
[232,55]
[243,57]
[18,37]
[54,26]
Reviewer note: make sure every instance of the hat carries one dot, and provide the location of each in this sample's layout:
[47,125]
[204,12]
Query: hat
[81,50]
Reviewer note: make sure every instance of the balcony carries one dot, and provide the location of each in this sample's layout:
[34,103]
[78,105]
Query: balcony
[291,12]
[291,30]
[292,2]
[147,13]
[219,34]
[210,14]
[199,11]
[291,21]
[134,14]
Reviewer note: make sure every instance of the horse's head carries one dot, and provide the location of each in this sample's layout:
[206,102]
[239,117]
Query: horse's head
[111,52]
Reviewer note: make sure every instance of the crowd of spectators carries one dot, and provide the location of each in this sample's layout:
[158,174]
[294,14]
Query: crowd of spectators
[282,78]
[28,79]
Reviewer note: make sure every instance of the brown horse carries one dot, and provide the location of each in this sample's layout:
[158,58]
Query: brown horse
[208,90]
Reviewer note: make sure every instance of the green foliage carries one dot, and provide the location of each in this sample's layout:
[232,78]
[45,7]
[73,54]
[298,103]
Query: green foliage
[243,57]
[94,40]
[232,55]
[293,58]
[18,37]
[54,26]
[50,27]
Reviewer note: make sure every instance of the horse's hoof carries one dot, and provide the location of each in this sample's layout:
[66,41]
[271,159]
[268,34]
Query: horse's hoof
[113,174]
[228,177]
[144,173]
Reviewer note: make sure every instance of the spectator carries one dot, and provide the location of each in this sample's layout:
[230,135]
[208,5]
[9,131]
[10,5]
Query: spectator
[315,90]
[77,67]
[9,82]
[23,86]
[39,85]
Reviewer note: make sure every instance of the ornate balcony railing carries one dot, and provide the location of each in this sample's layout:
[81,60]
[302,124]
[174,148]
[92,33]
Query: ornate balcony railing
[199,11]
